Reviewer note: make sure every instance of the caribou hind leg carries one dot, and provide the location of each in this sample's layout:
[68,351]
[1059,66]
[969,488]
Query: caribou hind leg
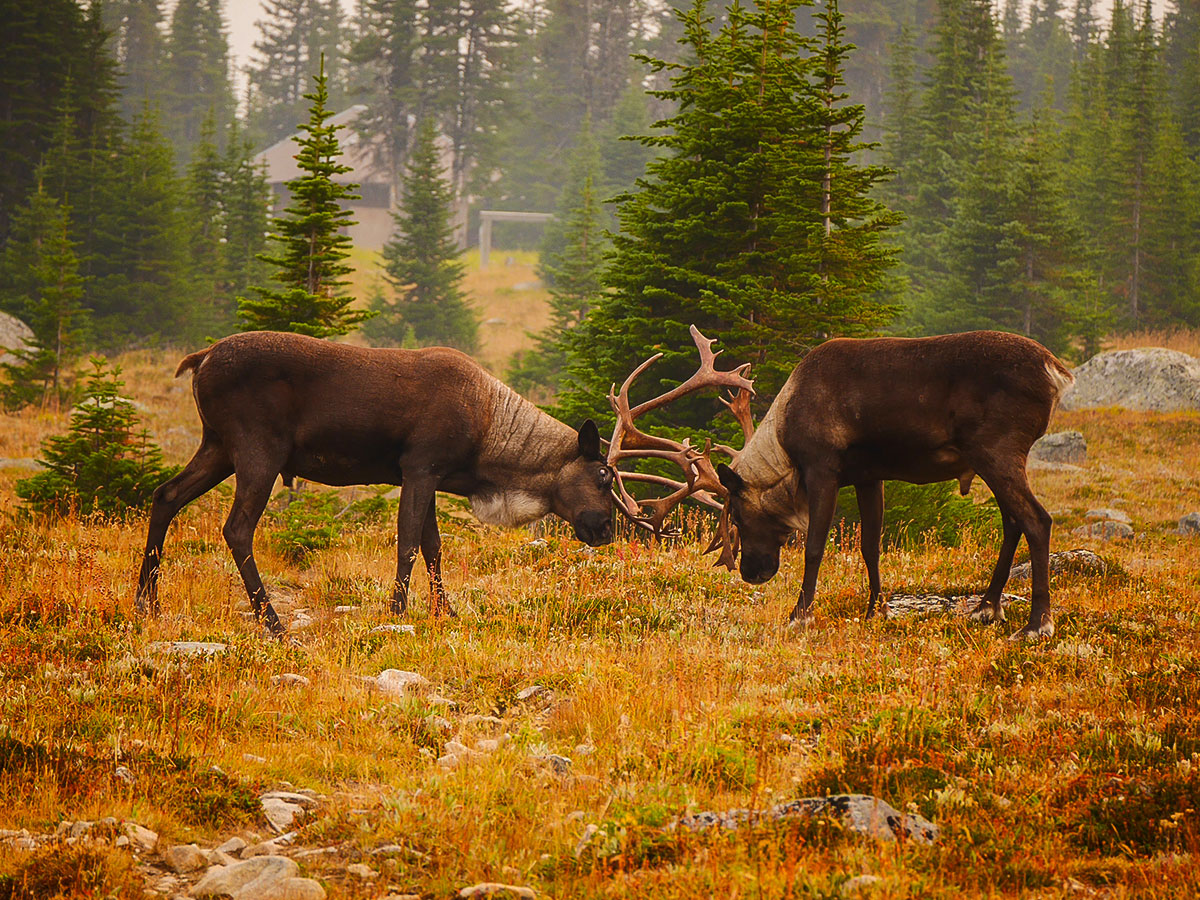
[208,467]
[416,501]
[870,510]
[254,485]
[431,550]
[989,608]
[1028,517]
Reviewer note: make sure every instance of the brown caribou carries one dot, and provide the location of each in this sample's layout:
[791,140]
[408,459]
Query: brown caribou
[857,412]
[432,420]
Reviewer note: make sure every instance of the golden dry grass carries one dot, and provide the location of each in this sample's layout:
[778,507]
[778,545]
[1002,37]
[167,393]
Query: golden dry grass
[1185,340]
[1066,768]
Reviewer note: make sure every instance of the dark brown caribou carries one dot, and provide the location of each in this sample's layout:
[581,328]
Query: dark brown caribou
[857,412]
[432,420]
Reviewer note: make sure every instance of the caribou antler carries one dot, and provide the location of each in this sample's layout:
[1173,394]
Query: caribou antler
[628,441]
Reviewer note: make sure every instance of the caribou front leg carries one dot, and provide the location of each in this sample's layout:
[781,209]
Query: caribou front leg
[431,549]
[416,497]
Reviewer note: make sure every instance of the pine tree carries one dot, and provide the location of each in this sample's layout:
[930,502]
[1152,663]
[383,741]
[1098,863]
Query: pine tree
[42,251]
[309,261]
[104,464]
[421,261]
[205,222]
[572,259]
[137,45]
[195,76]
[1172,232]
[623,157]
[245,204]
[754,224]
[294,37]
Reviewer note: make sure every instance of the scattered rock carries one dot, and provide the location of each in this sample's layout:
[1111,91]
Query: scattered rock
[1075,562]
[261,878]
[900,606]
[359,870]
[250,757]
[1078,650]
[272,847]
[495,889]
[1152,379]
[186,648]
[346,610]
[528,693]
[393,628]
[141,838]
[861,813]
[477,721]
[123,774]
[1110,514]
[280,813]
[854,886]
[233,846]
[1067,447]
[301,620]
[299,798]
[1189,524]
[438,723]
[184,858]
[560,765]
[290,679]
[1104,530]
[403,684]
[14,335]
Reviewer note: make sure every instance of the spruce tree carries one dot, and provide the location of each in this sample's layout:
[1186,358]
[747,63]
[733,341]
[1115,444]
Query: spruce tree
[42,252]
[755,224]
[205,223]
[309,260]
[421,261]
[245,204]
[571,263]
[195,77]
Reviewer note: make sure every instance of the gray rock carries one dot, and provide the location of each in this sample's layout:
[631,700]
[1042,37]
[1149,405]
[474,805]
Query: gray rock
[495,889]
[280,814]
[852,887]
[233,846]
[560,764]
[1104,530]
[403,684]
[290,679]
[1190,524]
[1076,562]
[141,838]
[532,691]
[861,813]
[14,335]
[261,878]
[124,775]
[186,648]
[272,847]
[299,798]
[1151,379]
[184,858]
[900,606]
[1067,447]
[359,870]
[1110,514]
[393,628]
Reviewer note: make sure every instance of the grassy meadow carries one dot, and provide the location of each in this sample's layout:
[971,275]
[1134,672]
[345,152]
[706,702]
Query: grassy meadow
[1070,767]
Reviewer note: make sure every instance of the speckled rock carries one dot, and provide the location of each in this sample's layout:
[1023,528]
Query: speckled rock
[861,813]
[261,878]
[1151,379]
[1189,524]
[1104,530]
[1061,447]
[1077,562]
[14,335]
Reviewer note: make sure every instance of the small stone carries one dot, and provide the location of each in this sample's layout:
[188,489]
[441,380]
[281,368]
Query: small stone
[448,761]
[290,679]
[358,870]
[123,774]
[121,841]
[491,745]
[1110,514]
[261,878]
[856,885]
[438,723]
[269,848]
[584,749]
[300,621]
[1105,530]
[184,858]
[532,691]
[300,798]
[250,757]
[476,721]
[403,684]
[186,648]
[1068,447]
[560,764]
[393,628]
[1189,524]
[233,846]
[346,610]
[280,814]
[141,838]
[495,889]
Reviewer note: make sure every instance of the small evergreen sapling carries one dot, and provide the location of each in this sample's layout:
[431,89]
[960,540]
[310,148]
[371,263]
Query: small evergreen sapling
[105,464]
[310,267]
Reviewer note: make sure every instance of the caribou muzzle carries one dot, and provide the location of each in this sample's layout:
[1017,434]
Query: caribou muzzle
[594,528]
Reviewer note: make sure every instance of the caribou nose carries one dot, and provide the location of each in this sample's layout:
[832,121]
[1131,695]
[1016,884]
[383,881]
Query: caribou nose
[758,569]
[594,528]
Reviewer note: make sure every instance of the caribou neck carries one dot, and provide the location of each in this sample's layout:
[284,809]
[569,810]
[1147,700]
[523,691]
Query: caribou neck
[523,447]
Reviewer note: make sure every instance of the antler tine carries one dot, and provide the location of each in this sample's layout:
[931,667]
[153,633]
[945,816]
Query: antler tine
[739,405]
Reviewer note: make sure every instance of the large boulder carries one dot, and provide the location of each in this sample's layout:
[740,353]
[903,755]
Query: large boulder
[1151,379]
[14,335]
[1068,447]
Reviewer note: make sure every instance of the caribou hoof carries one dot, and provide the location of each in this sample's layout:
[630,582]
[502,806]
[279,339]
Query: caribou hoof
[799,622]
[985,613]
[1033,632]
[880,611]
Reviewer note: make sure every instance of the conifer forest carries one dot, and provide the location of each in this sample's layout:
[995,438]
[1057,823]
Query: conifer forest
[293,292]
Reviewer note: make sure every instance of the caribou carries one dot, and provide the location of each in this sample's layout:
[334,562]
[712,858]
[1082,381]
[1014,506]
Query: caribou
[274,404]
[921,410]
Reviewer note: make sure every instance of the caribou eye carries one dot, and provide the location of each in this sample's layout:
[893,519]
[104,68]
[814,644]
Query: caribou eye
[606,476]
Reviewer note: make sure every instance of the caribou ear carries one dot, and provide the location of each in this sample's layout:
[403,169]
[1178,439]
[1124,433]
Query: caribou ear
[730,479]
[589,440]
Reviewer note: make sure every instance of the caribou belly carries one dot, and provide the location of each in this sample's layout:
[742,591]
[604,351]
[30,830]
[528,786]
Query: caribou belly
[508,508]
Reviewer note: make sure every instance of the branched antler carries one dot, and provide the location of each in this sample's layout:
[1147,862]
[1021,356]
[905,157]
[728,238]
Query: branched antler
[700,476]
